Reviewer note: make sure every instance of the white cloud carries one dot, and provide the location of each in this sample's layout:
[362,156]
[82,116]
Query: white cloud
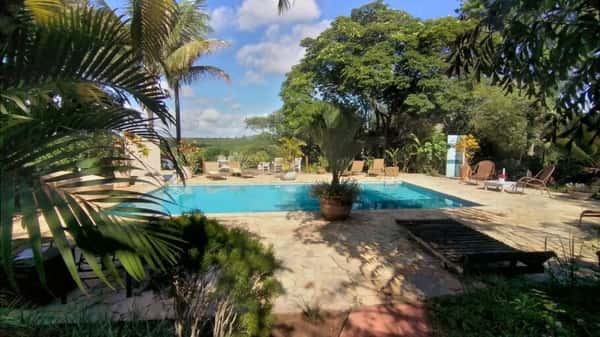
[221,17]
[272,31]
[211,122]
[277,53]
[256,13]
[253,77]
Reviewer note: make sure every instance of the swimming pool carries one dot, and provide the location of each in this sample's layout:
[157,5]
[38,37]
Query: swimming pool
[296,197]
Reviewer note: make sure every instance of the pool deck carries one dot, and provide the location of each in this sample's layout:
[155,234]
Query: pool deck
[368,259]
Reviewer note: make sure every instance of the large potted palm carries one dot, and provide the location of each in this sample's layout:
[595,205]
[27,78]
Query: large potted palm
[334,131]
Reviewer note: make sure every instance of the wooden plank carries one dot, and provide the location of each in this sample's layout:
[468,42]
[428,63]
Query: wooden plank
[462,247]
[434,252]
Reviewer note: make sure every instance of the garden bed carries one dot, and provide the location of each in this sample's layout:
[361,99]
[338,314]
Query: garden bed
[515,308]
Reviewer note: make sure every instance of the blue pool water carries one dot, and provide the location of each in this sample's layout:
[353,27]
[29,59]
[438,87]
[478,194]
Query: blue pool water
[295,197]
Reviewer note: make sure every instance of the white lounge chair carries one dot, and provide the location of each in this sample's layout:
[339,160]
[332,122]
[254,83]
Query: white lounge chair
[211,170]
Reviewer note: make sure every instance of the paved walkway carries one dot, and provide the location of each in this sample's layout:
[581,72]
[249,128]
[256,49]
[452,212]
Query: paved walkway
[390,320]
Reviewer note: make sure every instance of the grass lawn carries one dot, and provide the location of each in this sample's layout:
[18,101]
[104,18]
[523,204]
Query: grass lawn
[519,309]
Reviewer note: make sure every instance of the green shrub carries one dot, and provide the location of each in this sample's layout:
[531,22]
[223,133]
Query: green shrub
[516,309]
[346,191]
[37,323]
[246,267]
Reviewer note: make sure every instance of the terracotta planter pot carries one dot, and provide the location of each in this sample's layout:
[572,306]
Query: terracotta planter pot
[392,171]
[333,209]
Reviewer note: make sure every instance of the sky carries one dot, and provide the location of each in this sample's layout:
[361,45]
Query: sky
[262,48]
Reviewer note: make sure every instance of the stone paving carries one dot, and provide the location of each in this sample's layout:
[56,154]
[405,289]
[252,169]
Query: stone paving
[369,260]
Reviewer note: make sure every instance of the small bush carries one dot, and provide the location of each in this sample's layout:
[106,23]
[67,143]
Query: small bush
[246,267]
[346,191]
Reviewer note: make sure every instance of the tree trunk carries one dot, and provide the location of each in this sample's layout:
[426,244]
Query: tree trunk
[177,113]
[335,179]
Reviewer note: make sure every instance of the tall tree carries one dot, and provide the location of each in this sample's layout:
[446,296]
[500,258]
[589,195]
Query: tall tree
[547,49]
[384,63]
[186,43]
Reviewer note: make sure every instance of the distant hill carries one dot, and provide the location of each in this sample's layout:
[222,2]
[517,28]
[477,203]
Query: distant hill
[227,146]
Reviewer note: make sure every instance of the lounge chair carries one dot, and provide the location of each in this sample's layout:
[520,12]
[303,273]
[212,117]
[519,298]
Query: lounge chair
[377,169]
[211,170]
[590,213]
[484,170]
[236,170]
[278,165]
[356,168]
[539,181]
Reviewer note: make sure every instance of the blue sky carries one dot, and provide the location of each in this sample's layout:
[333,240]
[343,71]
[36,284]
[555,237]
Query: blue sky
[262,48]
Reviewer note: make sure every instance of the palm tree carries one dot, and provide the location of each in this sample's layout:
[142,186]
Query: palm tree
[65,76]
[186,44]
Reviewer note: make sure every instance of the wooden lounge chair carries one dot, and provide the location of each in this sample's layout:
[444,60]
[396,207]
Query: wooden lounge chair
[236,170]
[590,213]
[356,168]
[539,181]
[211,170]
[467,250]
[484,170]
[377,169]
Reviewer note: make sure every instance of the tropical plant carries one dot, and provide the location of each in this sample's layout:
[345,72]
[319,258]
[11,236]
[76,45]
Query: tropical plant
[192,154]
[432,153]
[290,149]
[467,145]
[395,156]
[186,43]
[335,131]
[409,150]
[346,191]
[234,268]
[66,76]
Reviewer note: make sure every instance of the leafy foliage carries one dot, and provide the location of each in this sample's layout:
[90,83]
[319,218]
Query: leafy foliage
[516,308]
[431,154]
[345,191]
[32,323]
[64,84]
[192,155]
[468,145]
[246,267]
[335,131]
[290,149]
[385,64]
[547,49]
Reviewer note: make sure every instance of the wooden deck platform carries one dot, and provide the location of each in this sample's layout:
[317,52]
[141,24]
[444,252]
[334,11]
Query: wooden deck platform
[467,250]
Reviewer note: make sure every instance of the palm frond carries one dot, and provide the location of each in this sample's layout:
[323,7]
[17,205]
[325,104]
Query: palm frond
[184,56]
[283,6]
[192,22]
[43,10]
[64,84]
[88,46]
[198,72]
[151,24]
